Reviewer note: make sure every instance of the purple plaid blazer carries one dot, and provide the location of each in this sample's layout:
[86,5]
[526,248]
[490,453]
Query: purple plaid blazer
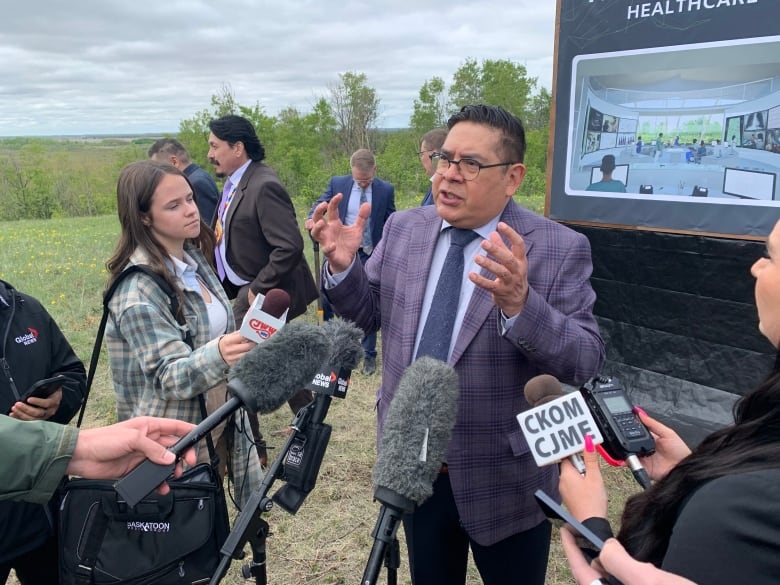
[491,469]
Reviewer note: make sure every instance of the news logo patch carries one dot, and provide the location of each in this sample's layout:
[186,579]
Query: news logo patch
[28,338]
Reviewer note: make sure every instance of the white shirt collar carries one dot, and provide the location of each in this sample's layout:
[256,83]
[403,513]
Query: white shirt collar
[235,177]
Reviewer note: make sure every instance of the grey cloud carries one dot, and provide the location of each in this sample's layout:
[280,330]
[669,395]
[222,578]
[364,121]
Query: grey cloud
[109,66]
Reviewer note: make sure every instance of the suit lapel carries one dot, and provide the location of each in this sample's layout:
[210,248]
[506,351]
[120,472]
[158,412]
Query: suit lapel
[481,303]
[239,194]
[419,248]
[376,202]
[377,210]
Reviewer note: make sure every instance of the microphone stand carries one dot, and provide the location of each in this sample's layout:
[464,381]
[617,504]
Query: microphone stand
[249,525]
[386,547]
[317,270]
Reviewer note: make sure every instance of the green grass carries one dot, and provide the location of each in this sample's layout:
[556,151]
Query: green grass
[61,262]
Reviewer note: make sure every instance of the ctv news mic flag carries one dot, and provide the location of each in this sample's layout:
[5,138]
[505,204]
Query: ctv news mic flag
[266,315]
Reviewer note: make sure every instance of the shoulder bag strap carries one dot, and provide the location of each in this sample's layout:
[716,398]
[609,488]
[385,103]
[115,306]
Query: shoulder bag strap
[174,303]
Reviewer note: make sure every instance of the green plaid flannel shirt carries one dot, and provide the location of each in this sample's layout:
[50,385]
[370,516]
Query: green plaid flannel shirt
[155,372]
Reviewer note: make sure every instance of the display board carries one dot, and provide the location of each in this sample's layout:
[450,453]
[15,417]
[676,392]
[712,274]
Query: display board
[684,93]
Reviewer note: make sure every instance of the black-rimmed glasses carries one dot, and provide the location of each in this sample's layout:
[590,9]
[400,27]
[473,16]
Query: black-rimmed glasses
[467,167]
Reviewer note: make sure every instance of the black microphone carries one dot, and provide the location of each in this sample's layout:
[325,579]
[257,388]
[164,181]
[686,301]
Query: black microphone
[262,380]
[304,457]
[413,447]
[544,388]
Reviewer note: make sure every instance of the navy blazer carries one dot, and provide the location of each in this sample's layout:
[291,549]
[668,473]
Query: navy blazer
[382,201]
[428,199]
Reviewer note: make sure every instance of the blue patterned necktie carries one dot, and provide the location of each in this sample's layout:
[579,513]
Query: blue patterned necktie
[437,333]
[367,245]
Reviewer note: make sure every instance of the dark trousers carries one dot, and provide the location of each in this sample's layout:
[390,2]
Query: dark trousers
[299,399]
[37,567]
[438,547]
[369,341]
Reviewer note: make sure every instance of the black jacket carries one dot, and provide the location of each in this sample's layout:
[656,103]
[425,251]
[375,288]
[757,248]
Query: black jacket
[32,347]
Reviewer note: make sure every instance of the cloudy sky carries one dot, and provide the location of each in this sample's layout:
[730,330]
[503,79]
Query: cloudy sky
[110,66]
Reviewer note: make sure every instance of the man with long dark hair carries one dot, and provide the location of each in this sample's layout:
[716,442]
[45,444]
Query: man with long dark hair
[259,244]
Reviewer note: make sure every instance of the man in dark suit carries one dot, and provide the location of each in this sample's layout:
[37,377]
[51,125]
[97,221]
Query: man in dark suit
[170,150]
[524,307]
[259,244]
[362,185]
[431,142]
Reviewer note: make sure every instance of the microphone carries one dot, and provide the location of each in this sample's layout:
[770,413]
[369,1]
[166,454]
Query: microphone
[346,352]
[262,380]
[542,389]
[266,315]
[304,457]
[413,447]
[545,388]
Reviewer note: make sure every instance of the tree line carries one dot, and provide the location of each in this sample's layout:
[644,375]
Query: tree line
[43,178]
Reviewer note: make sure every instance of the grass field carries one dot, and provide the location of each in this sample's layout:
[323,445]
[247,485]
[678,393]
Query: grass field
[61,262]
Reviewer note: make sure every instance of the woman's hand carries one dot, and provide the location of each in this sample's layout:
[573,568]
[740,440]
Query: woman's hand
[233,346]
[670,449]
[582,571]
[584,495]
[615,561]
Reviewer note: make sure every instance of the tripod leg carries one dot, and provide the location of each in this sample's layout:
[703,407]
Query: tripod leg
[393,561]
[257,568]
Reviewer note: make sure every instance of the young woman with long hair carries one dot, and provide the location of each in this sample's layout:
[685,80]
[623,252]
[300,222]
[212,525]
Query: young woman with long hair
[154,370]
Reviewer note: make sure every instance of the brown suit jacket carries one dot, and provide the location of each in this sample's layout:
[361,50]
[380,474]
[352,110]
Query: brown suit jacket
[264,243]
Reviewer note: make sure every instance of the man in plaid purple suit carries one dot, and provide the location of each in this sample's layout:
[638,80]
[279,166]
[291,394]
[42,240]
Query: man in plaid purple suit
[525,308]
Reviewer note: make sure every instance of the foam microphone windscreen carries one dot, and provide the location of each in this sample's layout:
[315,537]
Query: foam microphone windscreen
[269,375]
[417,430]
[276,302]
[345,340]
[542,389]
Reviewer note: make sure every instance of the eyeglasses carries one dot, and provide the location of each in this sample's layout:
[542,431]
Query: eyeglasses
[422,152]
[467,167]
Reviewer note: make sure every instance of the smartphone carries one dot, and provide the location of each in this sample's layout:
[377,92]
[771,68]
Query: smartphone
[44,388]
[554,511]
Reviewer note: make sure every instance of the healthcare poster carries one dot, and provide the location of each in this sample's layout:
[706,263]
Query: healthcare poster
[670,115]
